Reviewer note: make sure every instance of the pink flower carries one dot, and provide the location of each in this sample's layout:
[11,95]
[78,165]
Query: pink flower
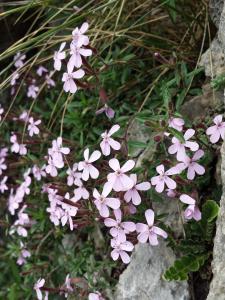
[56,152]
[176,123]
[50,168]
[179,147]
[103,203]
[108,142]
[32,127]
[121,249]
[50,82]
[68,79]
[119,229]
[3,166]
[3,152]
[24,254]
[132,194]
[73,176]
[24,116]
[163,178]
[86,166]
[37,287]
[149,232]
[38,172]
[171,193]
[118,179]
[192,211]
[76,53]
[110,113]
[32,91]
[69,212]
[18,60]
[81,192]
[16,147]
[216,131]
[68,285]
[58,56]
[95,296]
[79,38]
[41,70]
[191,164]
[14,78]
[3,186]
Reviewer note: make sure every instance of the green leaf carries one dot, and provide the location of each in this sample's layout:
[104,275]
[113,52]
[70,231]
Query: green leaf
[210,210]
[177,134]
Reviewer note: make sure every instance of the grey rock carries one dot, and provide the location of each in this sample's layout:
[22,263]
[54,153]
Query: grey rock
[142,280]
[213,59]
[215,9]
[217,287]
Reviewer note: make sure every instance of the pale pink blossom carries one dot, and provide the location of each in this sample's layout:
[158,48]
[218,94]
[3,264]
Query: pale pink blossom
[56,153]
[24,116]
[176,123]
[16,147]
[68,79]
[38,172]
[118,180]
[69,212]
[50,82]
[73,177]
[103,202]
[80,192]
[163,178]
[191,165]
[179,147]
[216,131]
[120,250]
[41,70]
[79,38]
[67,285]
[110,113]
[119,229]
[32,91]
[24,254]
[192,211]
[108,142]
[14,78]
[58,56]
[132,194]
[149,231]
[86,166]
[19,60]
[95,296]
[3,152]
[171,193]
[3,166]
[3,186]
[76,55]
[37,287]
[32,127]
[51,168]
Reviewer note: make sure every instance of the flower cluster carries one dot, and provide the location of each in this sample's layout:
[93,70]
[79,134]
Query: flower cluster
[78,52]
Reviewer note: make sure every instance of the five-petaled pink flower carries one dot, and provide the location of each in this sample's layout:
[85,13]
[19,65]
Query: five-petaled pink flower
[76,53]
[68,79]
[192,211]
[86,166]
[119,180]
[132,194]
[37,287]
[176,123]
[192,165]
[120,250]
[216,131]
[80,192]
[179,147]
[58,56]
[73,176]
[32,127]
[103,202]
[78,35]
[119,229]
[95,296]
[149,232]
[108,142]
[163,178]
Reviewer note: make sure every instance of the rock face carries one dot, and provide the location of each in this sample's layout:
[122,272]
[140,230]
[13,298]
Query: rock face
[217,287]
[142,278]
[213,60]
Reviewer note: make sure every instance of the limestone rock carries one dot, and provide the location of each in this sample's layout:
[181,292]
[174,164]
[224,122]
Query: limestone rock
[142,278]
[217,287]
[215,8]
